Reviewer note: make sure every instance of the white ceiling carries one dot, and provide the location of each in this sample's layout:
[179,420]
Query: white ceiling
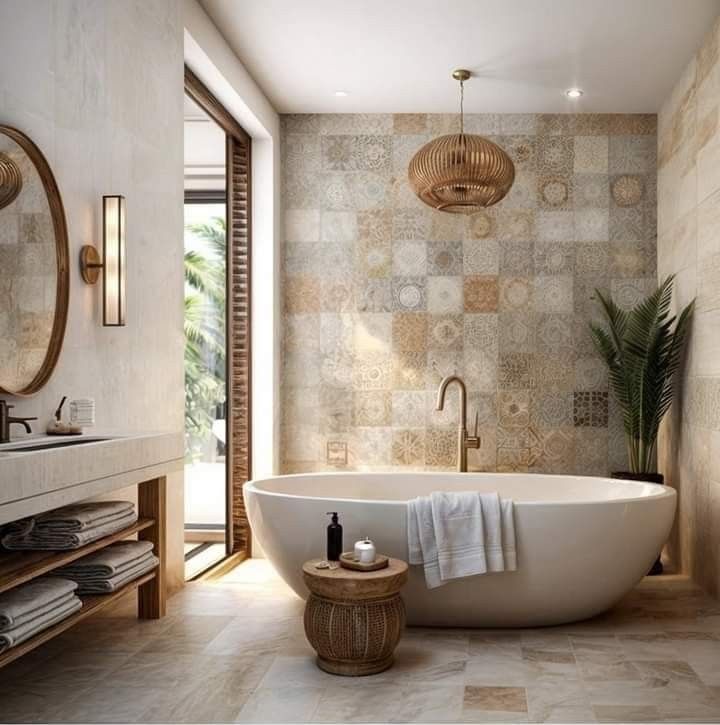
[397,55]
[204,149]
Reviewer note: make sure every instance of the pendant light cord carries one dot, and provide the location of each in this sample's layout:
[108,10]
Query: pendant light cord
[462,98]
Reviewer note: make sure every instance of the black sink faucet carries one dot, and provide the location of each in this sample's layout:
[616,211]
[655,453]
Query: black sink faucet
[6,420]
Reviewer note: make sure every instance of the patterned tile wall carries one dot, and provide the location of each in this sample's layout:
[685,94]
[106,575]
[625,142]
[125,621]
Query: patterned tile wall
[384,296]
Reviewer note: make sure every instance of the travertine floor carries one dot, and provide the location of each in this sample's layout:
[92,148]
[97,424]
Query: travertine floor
[235,650]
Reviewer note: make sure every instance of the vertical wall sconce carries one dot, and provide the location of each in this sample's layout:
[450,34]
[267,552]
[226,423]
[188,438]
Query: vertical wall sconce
[112,263]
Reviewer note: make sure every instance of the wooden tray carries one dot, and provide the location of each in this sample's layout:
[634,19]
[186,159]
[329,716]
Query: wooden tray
[347,560]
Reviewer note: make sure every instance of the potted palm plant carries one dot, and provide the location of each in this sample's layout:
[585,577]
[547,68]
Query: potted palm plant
[642,348]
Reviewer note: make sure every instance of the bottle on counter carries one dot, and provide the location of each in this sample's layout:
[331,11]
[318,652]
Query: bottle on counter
[334,538]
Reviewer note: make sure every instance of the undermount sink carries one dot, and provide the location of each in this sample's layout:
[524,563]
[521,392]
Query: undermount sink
[45,443]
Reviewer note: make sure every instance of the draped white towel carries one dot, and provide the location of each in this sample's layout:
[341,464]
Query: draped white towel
[459,534]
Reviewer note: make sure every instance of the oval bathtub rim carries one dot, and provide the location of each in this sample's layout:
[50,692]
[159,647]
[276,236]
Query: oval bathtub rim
[660,491]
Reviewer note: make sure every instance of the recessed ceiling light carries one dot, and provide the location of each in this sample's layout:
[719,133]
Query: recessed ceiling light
[341,94]
[573,92]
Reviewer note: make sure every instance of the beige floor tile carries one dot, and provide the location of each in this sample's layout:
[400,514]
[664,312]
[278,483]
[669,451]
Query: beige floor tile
[495,699]
[627,713]
[282,705]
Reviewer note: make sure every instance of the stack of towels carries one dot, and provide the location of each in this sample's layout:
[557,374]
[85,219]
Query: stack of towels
[460,534]
[30,608]
[69,527]
[110,568]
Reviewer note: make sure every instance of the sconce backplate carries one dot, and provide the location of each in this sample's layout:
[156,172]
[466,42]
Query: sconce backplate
[90,264]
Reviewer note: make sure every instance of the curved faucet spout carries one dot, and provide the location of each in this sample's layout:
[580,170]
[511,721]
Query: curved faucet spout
[446,381]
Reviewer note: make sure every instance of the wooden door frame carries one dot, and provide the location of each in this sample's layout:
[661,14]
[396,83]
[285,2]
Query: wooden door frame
[239,438]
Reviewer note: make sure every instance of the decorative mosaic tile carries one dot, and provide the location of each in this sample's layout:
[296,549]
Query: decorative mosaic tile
[410,224]
[408,447]
[338,226]
[301,151]
[554,373]
[591,451]
[409,123]
[522,149]
[447,227]
[592,259]
[591,154]
[592,225]
[591,191]
[515,224]
[555,226]
[590,409]
[554,451]
[555,192]
[445,332]
[556,155]
[591,374]
[516,258]
[337,294]
[632,154]
[555,335]
[409,294]
[368,190]
[335,409]
[370,447]
[336,333]
[553,293]
[409,259]
[627,189]
[552,410]
[480,293]
[409,331]
[404,147]
[553,258]
[483,224]
[445,258]
[480,370]
[524,192]
[441,448]
[441,363]
[481,331]
[516,371]
[515,293]
[409,370]
[408,408]
[355,123]
[372,408]
[373,295]
[632,259]
[374,225]
[514,408]
[629,292]
[516,331]
[445,294]
[629,224]
[481,256]
[302,294]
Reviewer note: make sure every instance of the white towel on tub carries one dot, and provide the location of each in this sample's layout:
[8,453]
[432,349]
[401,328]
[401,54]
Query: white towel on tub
[459,534]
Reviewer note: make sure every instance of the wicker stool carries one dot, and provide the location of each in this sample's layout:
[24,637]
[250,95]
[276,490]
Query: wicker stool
[354,619]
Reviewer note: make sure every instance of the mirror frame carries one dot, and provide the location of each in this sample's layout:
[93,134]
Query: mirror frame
[62,255]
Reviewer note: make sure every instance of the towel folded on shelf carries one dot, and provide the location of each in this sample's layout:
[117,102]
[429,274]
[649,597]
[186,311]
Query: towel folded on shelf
[28,601]
[69,527]
[12,637]
[112,567]
[460,534]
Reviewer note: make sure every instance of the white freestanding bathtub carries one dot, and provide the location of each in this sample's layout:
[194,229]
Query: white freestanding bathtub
[582,542]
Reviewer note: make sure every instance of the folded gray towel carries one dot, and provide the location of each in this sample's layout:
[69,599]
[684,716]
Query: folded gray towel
[30,600]
[47,540]
[103,585]
[12,637]
[113,559]
[82,516]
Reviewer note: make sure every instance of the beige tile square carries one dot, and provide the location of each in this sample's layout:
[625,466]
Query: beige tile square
[500,699]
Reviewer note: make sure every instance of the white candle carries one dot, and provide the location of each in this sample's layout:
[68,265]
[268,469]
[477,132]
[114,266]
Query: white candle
[364,551]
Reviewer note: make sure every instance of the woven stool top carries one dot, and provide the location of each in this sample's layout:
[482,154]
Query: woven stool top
[341,583]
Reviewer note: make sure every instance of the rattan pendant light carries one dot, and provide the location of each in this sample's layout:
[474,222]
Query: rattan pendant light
[461,173]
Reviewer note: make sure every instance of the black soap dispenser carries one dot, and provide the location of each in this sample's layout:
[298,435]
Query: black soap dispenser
[334,538]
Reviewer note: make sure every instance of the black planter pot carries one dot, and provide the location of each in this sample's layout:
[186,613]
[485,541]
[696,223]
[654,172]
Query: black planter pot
[657,567]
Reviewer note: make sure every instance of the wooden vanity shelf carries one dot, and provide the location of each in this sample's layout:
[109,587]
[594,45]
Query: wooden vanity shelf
[22,566]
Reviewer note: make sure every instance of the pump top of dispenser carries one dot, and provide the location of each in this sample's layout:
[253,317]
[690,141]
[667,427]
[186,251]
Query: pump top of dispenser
[334,515]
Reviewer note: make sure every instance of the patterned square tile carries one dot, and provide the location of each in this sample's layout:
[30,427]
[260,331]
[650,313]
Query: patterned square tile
[409,331]
[517,371]
[554,258]
[445,294]
[409,259]
[592,225]
[632,259]
[445,258]
[445,332]
[372,373]
[592,259]
[335,409]
[516,331]
[481,256]
[590,409]
[481,331]
[372,408]
[480,370]
[441,363]
[591,374]
[404,147]
[480,293]
[552,410]
[374,225]
[441,447]
[515,225]
[373,295]
[354,124]
[631,224]
[555,336]
[337,294]
[409,294]
[591,452]
[302,294]
[522,149]
[408,447]
[409,123]
[447,227]
[302,225]
[410,224]
[515,293]
[555,192]
[627,293]
[338,226]
[556,226]
[408,407]
[483,224]
[516,258]
[373,258]
[553,451]
[553,293]
[409,370]
[514,408]
[632,154]
[591,154]
[556,155]
[591,191]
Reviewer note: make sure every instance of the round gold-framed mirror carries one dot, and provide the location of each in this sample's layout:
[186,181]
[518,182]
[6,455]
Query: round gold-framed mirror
[34,266]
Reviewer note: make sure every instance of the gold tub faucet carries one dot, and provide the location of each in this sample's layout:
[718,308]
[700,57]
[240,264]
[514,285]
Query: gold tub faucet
[465,441]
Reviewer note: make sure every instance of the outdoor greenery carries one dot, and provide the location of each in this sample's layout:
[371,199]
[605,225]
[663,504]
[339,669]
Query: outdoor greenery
[643,354]
[204,333]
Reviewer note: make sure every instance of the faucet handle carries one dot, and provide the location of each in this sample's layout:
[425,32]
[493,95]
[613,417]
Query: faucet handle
[473,441]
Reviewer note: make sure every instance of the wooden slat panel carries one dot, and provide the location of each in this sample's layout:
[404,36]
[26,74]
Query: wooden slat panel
[152,504]
[239,349]
[19,567]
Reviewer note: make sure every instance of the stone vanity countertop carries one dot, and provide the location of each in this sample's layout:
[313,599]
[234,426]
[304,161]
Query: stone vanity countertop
[34,481]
